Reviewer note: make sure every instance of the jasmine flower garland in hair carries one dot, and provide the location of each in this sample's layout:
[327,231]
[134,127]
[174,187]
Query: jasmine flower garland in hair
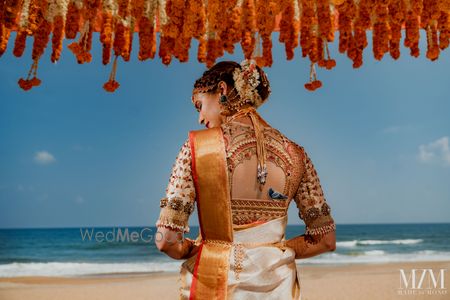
[246,80]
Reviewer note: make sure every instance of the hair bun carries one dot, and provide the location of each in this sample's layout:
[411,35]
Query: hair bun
[263,87]
[223,71]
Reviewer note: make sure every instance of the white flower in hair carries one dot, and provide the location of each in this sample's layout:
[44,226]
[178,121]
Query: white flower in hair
[246,80]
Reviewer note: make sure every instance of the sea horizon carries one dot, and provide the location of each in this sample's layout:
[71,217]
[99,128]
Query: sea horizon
[64,252]
[193,226]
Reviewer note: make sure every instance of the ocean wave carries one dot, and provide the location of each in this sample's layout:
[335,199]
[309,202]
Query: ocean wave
[17,269]
[78,268]
[354,243]
[376,256]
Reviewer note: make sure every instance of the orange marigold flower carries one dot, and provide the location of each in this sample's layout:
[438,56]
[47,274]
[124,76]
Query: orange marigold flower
[312,86]
[35,81]
[330,64]
[25,84]
[111,86]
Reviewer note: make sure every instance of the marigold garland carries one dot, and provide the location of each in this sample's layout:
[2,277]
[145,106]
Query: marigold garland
[219,25]
[226,25]
[248,40]
[168,41]
[19,43]
[10,10]
[397,12]
[73,19]
[444,30]
[42,34]
[429,21]
[201,52]
[147,33]
[412,27]
[265,23]
[346,13]
[432,41]
[307,21]
[106,37]
[82,47]
[325,20]
[214,30]
[235,28]
[380,38]
[362,23]
[21,36]
[289,28]
[57,38]
[4,37]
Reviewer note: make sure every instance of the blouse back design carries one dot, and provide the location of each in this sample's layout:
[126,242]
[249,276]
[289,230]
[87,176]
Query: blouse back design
[291,176]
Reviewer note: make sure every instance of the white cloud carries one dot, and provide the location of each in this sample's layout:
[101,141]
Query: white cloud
[44,158]
[435,152]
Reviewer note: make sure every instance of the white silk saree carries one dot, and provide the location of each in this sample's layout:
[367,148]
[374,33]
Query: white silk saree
[268,272]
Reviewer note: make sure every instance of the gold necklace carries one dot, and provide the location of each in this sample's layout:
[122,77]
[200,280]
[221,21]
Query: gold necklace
[259,135]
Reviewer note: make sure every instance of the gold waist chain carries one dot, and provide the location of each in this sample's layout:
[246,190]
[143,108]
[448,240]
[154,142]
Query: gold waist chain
[239,251]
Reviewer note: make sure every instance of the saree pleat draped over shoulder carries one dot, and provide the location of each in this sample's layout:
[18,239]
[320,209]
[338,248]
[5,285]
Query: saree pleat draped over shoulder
[241,241]
[260,267]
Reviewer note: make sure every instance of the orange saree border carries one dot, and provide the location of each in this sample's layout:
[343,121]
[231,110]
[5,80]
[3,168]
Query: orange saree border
[209,169]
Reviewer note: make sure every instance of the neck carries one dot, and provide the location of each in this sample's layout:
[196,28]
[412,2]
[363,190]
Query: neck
[242,112]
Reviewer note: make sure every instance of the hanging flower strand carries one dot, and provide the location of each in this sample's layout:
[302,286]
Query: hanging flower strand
[106,32]
[111,85]
[22,31]
[147,31]
[28,83]
[313,83]
[82,47]
[41,38]
[59,11]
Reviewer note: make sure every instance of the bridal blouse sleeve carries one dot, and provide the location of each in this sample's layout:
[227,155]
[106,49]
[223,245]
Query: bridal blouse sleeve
[313,207]
[178,203]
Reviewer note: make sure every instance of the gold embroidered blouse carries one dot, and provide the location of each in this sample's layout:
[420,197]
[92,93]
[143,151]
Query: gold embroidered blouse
[291,176]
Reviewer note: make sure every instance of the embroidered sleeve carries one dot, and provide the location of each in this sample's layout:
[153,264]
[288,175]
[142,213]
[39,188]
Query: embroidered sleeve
[313,208]
[178,204]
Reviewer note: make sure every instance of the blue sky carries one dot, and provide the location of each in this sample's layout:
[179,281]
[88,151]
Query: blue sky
[72,154]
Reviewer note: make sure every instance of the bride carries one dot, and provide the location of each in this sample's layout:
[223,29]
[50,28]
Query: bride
[241,174]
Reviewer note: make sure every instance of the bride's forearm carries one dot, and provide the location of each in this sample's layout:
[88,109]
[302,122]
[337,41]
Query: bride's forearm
[305,247]
[188,248]
[174,244]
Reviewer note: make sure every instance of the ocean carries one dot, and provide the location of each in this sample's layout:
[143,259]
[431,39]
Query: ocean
[120,250]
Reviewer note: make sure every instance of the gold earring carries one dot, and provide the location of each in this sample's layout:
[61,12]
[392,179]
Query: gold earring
[223,99]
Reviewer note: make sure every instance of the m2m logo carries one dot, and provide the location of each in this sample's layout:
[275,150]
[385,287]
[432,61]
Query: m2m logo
[422,282]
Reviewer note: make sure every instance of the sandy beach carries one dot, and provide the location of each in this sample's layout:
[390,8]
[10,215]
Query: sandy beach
[356,281]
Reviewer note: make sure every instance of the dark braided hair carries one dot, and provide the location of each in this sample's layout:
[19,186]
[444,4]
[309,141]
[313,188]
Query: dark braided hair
[223,71]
